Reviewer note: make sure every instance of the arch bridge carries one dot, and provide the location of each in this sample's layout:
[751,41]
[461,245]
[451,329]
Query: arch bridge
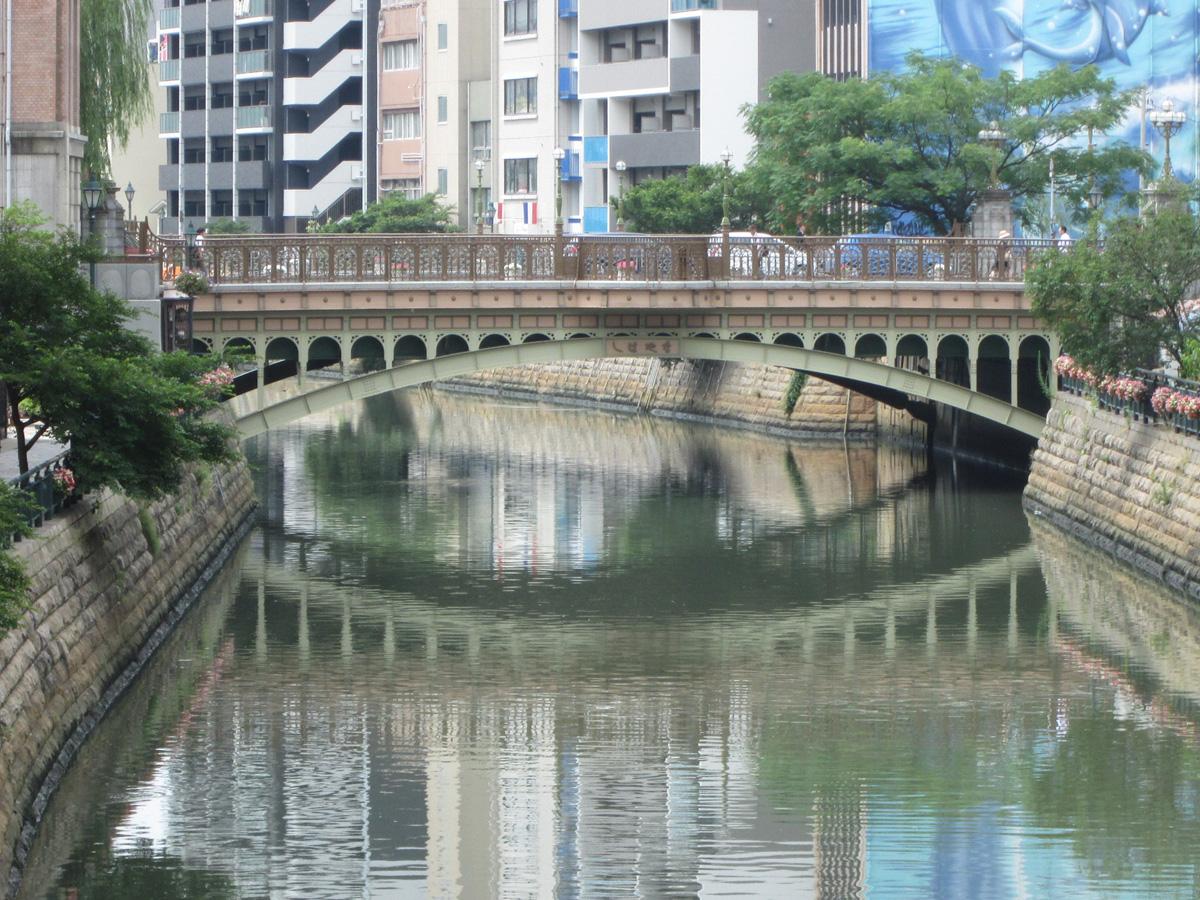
[932,319]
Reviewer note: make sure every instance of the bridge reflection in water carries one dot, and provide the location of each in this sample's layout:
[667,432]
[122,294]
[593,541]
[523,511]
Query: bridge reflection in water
[483,650]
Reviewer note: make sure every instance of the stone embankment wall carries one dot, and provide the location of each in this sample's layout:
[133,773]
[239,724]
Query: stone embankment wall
[109,583]
[1130,489]
[742,395]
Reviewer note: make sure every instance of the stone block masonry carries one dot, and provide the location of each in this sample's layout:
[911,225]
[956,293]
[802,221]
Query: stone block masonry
[741,395]
[1128,488]
[109,583]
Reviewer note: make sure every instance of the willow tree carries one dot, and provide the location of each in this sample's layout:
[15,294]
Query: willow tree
[114,92]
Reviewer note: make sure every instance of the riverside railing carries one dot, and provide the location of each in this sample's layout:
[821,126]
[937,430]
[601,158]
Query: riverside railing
[1138,395]
[259,259]
[42,485]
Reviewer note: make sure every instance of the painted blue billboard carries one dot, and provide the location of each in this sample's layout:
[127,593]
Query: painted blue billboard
[1138,43]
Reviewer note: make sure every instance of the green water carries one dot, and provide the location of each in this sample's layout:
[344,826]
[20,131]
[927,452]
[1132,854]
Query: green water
[486,650]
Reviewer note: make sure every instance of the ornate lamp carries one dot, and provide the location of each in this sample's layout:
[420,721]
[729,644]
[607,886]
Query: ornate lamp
[620,167]
[1168,120]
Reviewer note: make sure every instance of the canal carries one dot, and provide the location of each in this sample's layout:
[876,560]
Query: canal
[480,649]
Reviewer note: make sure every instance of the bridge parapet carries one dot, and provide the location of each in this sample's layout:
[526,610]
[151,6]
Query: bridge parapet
[386,259]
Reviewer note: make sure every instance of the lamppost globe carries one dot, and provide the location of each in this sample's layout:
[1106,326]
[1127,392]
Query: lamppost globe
[1168,120]
[92,191]
[129,192]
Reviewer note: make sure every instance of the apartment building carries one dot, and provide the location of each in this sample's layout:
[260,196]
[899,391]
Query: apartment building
[435,106]
[629,90]
[264,117]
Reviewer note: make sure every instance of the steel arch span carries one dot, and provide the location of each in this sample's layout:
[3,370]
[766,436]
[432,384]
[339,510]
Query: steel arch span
[815,362]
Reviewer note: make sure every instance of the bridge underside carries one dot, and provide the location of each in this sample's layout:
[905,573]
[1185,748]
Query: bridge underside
[890,384]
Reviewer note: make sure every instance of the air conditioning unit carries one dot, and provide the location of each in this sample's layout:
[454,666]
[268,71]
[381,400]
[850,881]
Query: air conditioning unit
[356,6]
[356,59]
[356,174]
[411,157]
[356,114]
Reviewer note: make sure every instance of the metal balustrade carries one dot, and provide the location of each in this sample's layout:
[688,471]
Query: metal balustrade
[264,259]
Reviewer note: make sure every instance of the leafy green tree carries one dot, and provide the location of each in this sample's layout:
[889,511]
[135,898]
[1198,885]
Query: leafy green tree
[114,84]
[1117,308]
[396,214]
[134,418]
[691,203]
[849,154]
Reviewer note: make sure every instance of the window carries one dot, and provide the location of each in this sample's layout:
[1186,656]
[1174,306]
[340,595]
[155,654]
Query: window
[222,203]
[222,95]
[252,202]
[193,44]
[481,139]
[254,149]
[520,96]
[193,204]
[443,110]
[222,41]
[400,55]
[193,150]
[443,181]
[443,36]
[221,150]
[520,16]
[172,151]
[401,125]
[520,176]
[193,97]
[406,187]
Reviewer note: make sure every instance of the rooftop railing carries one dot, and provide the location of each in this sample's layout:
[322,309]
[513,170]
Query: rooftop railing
[259,259]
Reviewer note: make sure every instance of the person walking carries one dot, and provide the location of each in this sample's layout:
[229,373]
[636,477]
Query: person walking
[1064,239]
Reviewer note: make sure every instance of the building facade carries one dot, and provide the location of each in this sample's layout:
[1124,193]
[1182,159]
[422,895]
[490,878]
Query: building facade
[39,92]
[504,106]
[265,117]
[435,108]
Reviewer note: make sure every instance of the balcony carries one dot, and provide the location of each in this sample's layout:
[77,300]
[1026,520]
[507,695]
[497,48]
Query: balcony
[595,150]
[168,70]
[568,9]
[168,123]
[253,9]
[168,18]
[595,219]
[254,117]
[657,148]
[568,83]
[569,167]
[628,78]
[253,62]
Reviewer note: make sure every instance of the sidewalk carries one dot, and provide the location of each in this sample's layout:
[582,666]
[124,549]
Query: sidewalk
[43,450]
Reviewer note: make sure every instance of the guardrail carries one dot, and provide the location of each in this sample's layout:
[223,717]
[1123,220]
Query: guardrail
[259,259]
[1149,396]
[48,498]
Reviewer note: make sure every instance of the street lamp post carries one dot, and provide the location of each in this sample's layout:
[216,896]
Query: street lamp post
[1169,121]
[559,155]
[93,191]
[726,160]
[621,167]
[129,192]
[479,164]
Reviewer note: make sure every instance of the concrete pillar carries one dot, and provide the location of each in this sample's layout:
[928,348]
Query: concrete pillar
[302,359]
[389,351]
[1013,350]
[972,376]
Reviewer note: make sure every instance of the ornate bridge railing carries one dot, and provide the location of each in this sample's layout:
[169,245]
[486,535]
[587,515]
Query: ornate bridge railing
[290,259]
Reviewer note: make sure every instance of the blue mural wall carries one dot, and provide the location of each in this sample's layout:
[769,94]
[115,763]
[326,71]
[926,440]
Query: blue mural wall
[1137,43]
